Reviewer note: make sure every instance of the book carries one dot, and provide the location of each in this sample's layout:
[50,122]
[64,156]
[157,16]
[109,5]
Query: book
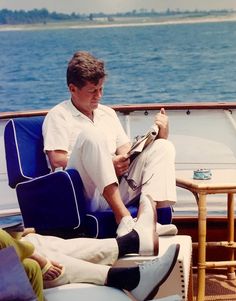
[11,223]
[142,142]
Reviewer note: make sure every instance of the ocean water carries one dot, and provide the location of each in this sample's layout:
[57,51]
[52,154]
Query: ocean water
[160,63]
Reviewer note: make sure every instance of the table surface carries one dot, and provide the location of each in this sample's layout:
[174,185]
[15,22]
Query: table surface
[221,179]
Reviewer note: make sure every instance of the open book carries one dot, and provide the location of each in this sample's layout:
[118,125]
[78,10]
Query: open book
[142,142]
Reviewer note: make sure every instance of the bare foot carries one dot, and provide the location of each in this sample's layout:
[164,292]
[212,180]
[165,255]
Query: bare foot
[50,269]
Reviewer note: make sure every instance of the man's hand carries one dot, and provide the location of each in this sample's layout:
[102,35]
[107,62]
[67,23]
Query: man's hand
[121,164]
[161,120]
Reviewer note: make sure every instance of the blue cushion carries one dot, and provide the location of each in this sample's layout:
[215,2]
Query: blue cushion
[164,215]
[102,224]
[53,201]
[24,149]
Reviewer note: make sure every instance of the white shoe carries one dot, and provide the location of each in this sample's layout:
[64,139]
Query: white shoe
[145,226]
[126,225]
[168,229]
[154,273]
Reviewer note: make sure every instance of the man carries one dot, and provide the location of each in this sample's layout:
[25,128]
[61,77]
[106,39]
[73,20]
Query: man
[90,260]
[83,134]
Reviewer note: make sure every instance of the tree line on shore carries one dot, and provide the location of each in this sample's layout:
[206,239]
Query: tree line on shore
[44,16]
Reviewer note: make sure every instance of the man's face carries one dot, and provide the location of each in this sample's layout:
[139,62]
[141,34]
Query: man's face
[87,98]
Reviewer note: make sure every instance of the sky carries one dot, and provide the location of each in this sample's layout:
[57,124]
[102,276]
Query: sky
[113,6]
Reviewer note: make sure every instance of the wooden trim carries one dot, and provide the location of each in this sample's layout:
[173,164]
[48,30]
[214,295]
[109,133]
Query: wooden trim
[8,115]
[127,109]
[190,219]
[176,106]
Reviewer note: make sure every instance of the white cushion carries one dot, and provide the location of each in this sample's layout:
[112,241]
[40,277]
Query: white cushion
[87,292]
[84,292]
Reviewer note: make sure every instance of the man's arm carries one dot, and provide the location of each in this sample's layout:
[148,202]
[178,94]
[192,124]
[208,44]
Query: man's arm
[57,158]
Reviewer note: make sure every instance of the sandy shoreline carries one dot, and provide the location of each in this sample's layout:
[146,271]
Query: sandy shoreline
[122,22]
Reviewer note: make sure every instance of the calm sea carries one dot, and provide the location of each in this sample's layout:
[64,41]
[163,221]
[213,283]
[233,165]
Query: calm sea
[161,63]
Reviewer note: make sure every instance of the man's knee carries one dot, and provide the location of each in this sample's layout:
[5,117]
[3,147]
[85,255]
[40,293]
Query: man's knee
[165,146]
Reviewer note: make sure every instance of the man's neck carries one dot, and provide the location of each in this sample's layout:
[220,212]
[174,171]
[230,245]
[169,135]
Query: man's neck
[88,114]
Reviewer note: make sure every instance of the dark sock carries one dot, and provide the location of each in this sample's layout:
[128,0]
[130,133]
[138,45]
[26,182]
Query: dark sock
[123,278]
[128,243]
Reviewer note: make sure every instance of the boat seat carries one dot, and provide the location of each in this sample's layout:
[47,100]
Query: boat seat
[52,203]
[180,280]
[14,284]
[49,202]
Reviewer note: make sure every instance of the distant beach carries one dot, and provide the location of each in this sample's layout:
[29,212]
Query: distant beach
[122,22]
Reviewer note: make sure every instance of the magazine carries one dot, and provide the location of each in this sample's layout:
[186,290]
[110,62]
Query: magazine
[142,142]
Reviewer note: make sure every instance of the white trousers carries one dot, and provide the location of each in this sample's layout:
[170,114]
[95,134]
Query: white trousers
[152,172]
[85,259]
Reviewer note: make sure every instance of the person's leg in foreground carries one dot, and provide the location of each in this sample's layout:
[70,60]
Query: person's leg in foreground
[24,250]
[34,274]
[88,260]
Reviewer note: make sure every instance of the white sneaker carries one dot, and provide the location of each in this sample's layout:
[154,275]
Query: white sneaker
[154,273]
[145,226]
[126,225]
[168,229]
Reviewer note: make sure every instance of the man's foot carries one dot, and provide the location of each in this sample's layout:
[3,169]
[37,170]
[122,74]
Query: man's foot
[126,225]
[145,226]
[154,273]
[168,229]
[143,239]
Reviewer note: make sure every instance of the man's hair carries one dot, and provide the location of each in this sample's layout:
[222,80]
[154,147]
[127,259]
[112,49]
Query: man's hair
[83,68]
